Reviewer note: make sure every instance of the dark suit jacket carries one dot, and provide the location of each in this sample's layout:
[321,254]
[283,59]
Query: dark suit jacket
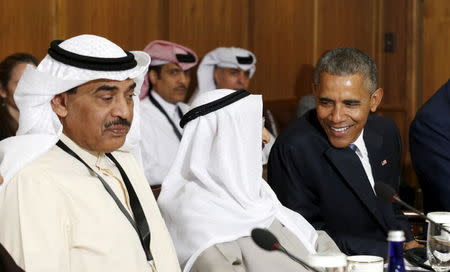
[7,264]
[329,187]
[429,138]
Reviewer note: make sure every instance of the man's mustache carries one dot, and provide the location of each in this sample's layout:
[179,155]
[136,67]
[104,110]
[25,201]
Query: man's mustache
[181,88]
[118,121]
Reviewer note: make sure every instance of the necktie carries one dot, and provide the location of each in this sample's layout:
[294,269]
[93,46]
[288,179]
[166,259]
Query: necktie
[353,147]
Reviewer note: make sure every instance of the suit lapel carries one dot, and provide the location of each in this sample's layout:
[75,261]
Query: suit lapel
[349,166]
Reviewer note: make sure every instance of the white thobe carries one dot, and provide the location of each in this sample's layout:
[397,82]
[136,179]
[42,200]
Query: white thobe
[159,143]
[56,216]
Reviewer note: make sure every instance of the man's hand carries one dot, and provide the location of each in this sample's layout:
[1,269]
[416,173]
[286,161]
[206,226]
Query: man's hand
[265,136]
[411,244]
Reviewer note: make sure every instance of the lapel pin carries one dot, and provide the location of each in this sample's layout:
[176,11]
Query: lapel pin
[384,162]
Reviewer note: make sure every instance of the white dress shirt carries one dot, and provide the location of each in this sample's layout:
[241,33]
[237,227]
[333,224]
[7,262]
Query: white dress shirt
[363,156]
[159,143]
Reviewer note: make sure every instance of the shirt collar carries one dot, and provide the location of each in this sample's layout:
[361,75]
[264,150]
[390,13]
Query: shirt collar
[361,144]
[168,107]
[92,158]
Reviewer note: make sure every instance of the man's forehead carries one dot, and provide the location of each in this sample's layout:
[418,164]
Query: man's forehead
[108,81]
[233,69]
[93,85]
[172,65]
[329,77]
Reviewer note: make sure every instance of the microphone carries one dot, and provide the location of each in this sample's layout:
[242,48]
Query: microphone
[388,194]
[266,240]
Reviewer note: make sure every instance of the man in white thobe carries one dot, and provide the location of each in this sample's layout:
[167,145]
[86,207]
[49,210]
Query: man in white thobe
[75,198]
[162,107]
[214,194]
[232,68]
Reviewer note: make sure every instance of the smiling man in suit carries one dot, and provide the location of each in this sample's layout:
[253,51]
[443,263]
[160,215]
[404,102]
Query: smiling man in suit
[325,164]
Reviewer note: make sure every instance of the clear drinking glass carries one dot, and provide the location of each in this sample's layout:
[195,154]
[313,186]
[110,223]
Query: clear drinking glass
[438,241]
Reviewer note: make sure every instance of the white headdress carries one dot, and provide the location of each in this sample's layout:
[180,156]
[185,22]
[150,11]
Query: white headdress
[214,191]
[70,63]
[227,57]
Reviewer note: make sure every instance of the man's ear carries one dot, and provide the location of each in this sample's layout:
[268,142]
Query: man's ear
[216,74]
[3,92]
[152,76]
[59,105]
[375,99]
[315,92]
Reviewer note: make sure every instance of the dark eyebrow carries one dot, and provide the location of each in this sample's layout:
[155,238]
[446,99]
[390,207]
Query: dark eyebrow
[113,88]
[132,86]
[352,101]
[325,99]
[106,88]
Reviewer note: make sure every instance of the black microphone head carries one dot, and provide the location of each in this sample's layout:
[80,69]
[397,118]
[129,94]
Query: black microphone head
[385,192]
[265,239]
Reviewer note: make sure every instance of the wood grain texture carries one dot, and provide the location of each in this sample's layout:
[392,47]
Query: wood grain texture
[26,26]
[204,25]
[130,24]
[436,47]
[349,23]
[282,41]
[392,65]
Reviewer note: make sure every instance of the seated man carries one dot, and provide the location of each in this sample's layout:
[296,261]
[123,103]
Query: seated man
[74,196]
[429,139]
[325,164]
[214,195]
[162,107]
[232,68]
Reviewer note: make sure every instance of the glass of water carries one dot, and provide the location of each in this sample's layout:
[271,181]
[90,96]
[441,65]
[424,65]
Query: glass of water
[438,241]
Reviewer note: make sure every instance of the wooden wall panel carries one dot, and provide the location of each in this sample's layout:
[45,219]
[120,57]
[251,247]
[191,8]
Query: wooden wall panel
[350,23]
[391,65]
[130,24]
[206,24]
[282,42]
[26,26]
[436,48]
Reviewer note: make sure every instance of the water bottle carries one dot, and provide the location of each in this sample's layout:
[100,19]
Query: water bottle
[396,238]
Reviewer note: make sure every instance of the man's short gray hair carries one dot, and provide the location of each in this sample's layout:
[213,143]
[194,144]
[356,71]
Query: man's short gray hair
[347,61]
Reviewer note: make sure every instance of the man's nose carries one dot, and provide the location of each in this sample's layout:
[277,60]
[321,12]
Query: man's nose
[243,79]
[337,114]
[123,108]
[183,78]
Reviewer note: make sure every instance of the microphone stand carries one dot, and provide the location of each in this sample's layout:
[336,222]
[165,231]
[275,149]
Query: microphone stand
[440,226]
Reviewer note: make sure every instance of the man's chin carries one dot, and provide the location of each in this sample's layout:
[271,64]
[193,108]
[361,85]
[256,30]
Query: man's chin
[112,144]
[339,143]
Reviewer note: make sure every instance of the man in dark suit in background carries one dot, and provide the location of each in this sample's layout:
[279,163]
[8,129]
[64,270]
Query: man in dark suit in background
[429,138]
[325,164]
